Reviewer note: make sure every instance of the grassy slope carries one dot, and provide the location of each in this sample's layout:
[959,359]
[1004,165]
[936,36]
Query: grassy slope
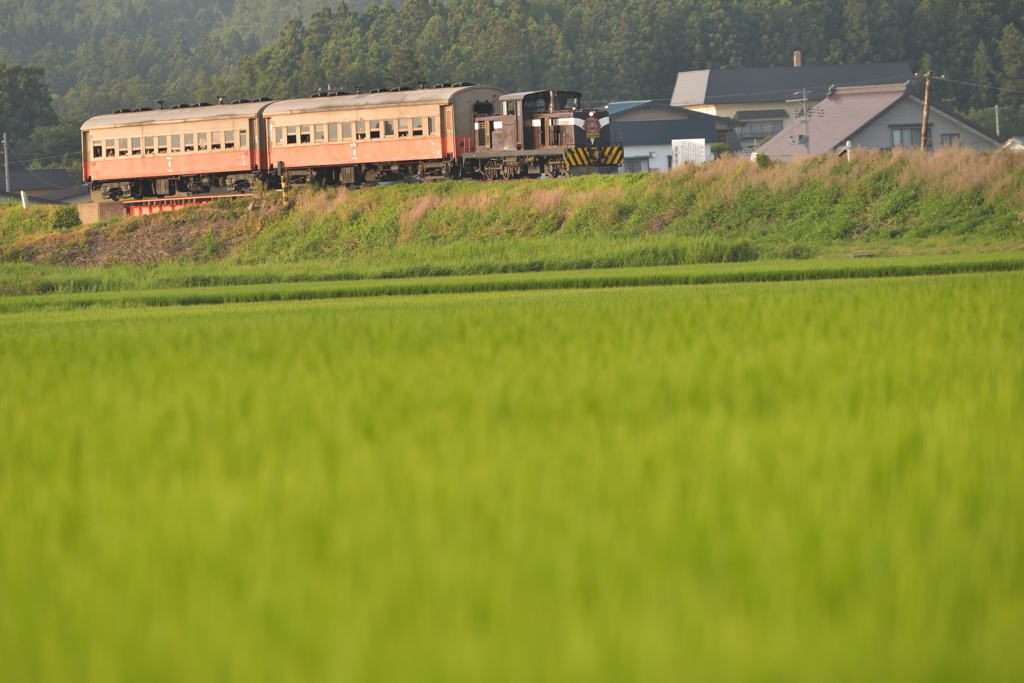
[729,210]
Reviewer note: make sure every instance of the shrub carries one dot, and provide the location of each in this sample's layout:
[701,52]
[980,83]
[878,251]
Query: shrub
[64,218]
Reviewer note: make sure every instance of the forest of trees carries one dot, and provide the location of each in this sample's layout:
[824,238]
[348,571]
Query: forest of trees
[101,55]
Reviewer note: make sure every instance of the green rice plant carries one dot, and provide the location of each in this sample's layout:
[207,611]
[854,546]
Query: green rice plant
[745,481]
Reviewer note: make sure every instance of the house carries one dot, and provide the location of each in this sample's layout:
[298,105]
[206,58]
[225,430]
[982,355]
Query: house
[645,130]
[874,117]
[763,101]
[45,186]
[1014,144]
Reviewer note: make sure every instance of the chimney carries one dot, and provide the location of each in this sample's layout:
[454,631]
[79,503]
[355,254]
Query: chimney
[797,58]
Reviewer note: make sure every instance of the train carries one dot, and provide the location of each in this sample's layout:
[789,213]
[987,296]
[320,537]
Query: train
[331,138]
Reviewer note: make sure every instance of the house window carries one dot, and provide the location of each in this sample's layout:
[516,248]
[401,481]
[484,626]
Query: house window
[755,130]
[636,165]
[950,139]
[906,136]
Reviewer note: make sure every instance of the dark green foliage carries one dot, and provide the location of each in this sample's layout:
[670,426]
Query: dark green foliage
[64,218]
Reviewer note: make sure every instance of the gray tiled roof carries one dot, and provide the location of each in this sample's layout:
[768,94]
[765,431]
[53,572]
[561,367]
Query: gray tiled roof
[777,84]
[649,133]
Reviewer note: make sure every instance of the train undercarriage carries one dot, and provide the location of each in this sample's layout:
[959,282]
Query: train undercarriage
[481,166]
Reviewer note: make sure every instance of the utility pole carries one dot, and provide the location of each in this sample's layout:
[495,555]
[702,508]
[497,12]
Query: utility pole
[7,172]
[924,118]
[807,124]
[997,119]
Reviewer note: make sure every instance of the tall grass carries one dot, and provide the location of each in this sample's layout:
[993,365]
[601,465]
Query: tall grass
[890,202]
[799,481]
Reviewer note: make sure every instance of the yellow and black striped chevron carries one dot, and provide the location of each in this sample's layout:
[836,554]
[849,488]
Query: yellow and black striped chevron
[593,156]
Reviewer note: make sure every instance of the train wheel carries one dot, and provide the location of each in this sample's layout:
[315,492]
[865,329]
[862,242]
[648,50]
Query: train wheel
[508,171]
[492,169]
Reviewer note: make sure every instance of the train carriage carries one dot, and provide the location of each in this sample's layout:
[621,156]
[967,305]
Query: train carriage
[169,151]
[376,136]
[449,131]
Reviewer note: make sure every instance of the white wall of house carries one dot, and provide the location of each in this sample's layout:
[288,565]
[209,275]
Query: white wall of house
[906,117]
[646,158]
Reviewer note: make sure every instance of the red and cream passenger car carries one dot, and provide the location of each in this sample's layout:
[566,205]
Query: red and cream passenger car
[170,151]
[376,136]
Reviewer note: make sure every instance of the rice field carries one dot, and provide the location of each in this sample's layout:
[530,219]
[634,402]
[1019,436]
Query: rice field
[797,480]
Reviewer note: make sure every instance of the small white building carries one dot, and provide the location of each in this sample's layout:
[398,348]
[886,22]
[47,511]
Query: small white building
[646,129]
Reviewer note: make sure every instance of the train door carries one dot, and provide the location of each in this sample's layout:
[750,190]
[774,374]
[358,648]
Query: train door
[512,124]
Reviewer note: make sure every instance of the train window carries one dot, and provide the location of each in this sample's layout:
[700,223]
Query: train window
[202,142]
[510,108]
[417,125]
[332,132]
[190,142]
[149,145]
[389,129]
[374,128]
[161,144]
[291,138]
[136,147]
[304,134]
[229,139]
[360,130]
[215,139]
[97,151]
[346,131]
[175,143]
[319,132]
[403,128]
[279,136]
[432,125]
[122,147]
[243,139]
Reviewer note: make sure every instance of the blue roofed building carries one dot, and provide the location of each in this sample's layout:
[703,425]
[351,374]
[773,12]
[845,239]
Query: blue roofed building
[645,129]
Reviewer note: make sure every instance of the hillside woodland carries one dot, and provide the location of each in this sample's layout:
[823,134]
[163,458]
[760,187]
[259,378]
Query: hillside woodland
[100,55]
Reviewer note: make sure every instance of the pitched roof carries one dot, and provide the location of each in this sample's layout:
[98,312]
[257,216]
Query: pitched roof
[31,181]
[618,109]
[779,83]
[652,133]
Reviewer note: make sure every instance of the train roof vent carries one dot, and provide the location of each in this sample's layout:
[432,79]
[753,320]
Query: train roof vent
[400,88]
[442,85]
[263,99]
[240,102]
[140,109]
[122,111]
[182,106]
[201,104]
[463,84]
[337,93]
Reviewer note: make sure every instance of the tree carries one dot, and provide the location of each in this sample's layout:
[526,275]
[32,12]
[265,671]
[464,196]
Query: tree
[25,100]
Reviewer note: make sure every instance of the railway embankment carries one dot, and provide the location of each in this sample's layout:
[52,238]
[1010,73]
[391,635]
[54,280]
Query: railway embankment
[733,209]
